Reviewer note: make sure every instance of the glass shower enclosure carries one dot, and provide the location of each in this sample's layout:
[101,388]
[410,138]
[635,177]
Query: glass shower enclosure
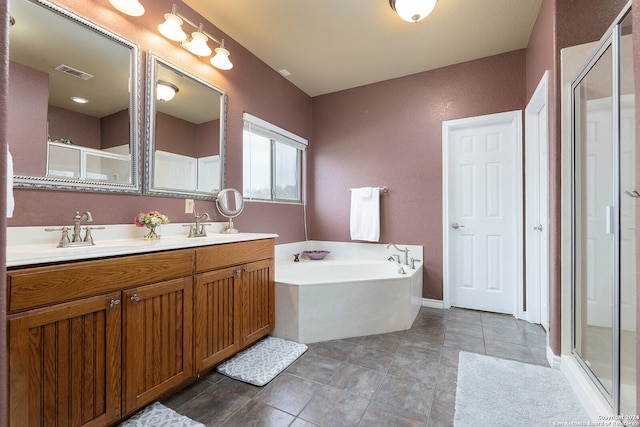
[604,217]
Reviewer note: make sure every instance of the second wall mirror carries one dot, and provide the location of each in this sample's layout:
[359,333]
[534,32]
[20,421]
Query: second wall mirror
[186,133]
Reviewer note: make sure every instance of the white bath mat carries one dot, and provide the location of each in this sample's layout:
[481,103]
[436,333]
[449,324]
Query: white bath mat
[498,392]
[263,361]
[158,415]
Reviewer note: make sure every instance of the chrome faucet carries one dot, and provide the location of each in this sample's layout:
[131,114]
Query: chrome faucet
[76,238]
[197,229]
[405,251]
[77,219]
[400,267]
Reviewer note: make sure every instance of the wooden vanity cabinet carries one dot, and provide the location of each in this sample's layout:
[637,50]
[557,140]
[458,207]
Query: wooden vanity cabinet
[64,364]
[156,340]
[234,299]
[91,342]
[72,337]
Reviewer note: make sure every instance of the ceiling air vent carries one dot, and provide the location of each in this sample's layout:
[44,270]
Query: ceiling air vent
[73,72]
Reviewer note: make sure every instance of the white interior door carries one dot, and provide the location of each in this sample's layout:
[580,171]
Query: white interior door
[537,206]
[483,212]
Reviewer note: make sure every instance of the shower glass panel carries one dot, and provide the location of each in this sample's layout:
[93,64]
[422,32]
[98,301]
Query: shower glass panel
[605,218]
[628,224]
[594,221]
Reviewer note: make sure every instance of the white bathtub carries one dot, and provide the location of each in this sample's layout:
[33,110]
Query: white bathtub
[353,292]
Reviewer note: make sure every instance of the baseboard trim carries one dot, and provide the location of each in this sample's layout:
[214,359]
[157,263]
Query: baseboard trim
[433,303]
[554,361]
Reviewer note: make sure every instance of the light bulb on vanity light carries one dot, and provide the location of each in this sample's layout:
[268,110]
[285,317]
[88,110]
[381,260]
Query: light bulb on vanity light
[198,43]
[171,28]
[128,7]
[221,58]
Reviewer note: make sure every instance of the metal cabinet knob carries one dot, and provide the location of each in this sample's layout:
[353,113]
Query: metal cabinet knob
[135,298]
[114,302]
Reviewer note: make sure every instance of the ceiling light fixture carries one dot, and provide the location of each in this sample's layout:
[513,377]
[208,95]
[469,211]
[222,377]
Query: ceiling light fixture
[128,7]
[79,100]
[165,91]
[412,10]
[197,44]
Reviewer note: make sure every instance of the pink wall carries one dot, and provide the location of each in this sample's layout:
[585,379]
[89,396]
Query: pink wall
[79,128]
[390,133]
[114,129]
[251,86]
[4,121]
[175,135]
[27,119]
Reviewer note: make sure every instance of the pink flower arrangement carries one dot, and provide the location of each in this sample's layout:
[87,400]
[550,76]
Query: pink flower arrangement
[151,219]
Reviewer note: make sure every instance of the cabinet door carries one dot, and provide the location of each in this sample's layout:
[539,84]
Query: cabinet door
[216,316]
[64,364]
[157,340]
[257,301]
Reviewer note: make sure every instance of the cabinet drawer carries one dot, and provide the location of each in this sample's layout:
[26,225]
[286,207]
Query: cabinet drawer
[225,255]
[41,286]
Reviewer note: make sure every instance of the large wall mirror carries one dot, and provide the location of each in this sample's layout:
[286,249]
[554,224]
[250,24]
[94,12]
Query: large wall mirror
[186,133]
[73,102]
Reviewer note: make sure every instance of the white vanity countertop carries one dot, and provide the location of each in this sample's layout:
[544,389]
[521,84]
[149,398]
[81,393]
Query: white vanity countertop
[32,245]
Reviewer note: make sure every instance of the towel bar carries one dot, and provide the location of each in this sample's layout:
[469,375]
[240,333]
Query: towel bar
[384,189]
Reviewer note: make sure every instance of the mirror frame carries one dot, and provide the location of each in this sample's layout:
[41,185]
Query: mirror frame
[153,61]
[51,183]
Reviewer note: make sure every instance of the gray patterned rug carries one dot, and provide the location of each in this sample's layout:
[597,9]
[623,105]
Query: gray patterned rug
[158,415]
[263,361]
[497,392]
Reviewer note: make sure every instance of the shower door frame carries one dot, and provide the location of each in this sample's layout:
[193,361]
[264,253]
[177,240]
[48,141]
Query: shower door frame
[610,39]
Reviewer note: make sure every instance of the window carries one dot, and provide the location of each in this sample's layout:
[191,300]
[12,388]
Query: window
[272,162]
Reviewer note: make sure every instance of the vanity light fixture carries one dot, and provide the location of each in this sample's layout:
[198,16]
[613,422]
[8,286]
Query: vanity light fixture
[171,28]
[165,91]
[128,7]
[221,58]
[198,43]
[412,10]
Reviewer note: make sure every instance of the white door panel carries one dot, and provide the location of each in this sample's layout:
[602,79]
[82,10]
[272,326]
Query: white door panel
[483,212]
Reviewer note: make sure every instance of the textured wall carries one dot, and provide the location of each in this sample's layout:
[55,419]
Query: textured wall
[390,133]
[251,86]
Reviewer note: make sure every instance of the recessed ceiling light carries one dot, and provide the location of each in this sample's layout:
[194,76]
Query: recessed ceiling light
[284,73]
[79,100]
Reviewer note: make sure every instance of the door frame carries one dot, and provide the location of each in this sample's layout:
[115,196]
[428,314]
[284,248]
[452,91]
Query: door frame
[538,105]
[514,119]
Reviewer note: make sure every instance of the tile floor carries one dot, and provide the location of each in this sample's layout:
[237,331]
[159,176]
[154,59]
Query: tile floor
[403,378]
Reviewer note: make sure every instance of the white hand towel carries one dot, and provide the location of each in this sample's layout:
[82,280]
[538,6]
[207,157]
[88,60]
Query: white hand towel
[10,201]
[365,214]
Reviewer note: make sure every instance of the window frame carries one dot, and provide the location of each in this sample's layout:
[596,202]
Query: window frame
[275,135]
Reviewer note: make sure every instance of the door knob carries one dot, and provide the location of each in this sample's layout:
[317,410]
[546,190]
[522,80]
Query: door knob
[538,228]
[455,226]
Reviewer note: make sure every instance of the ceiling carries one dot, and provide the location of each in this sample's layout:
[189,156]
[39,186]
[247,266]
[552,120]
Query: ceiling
[331,45]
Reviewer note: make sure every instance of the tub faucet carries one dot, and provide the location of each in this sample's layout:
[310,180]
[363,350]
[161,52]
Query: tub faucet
[400,267]
[405,251]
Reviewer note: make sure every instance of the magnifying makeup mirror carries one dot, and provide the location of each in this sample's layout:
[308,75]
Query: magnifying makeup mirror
[230,203]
